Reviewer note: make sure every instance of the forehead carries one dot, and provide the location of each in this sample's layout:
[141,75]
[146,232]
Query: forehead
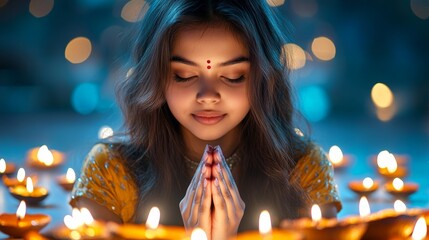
[217,43]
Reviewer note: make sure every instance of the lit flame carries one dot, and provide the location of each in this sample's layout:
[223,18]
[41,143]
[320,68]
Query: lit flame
[30,187]
[70,175]
[399,206]
[2,165]
[70,222]
[382,159]
[105,132]
[45,156]
[86,216]
[20,212]
[392,165]
[398,184]
[152,221]
[20,176]
[367,183]
[364,209]
[420,229]
[198,234]
[335,154]
[77,217]
[264,222]
[316,213]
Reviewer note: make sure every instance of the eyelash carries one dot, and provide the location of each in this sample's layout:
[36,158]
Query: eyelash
[235,80]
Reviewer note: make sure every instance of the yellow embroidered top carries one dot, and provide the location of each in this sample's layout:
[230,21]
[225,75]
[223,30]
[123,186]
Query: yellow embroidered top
[104,179]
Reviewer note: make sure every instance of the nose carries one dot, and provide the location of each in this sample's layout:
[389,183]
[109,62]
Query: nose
[208,93]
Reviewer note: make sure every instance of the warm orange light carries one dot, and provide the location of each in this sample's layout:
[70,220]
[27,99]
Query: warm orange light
[420,229]
[367,183]
[381,95]
[296,56]
[78,50]
[20,212]
[323,48]
[29,186]
[398,184]
[364,209]
[386,114]
[392,164]
[41,8]
[198,234]
[399,206]
[70,175]
[134,10]
[45,156]
[20,176]
[335,154]
[382,159]
[152,221]
[316,213]
[77,217]
[70,222]
[265,223]
[86,216]
[2,165]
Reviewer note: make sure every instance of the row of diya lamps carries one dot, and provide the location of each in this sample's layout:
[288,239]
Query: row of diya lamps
[392,167]
[397,223]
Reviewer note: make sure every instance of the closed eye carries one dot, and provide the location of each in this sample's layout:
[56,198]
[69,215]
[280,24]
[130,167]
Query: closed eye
[235,80]
[182,79]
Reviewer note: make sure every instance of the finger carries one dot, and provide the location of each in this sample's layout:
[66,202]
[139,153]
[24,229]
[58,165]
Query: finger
[220,215]
[204,219]
[197,200]
[225,192]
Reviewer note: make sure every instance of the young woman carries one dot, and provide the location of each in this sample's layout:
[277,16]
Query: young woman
[210,133]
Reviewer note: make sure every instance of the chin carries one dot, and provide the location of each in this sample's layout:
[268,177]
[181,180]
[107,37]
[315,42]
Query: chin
[208,136]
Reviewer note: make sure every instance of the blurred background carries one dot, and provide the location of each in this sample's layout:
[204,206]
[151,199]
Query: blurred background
[360,72]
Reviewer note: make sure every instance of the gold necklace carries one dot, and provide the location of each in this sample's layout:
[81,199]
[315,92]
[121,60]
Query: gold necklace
[231,161]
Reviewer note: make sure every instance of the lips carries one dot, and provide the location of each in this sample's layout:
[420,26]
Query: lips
[208,117]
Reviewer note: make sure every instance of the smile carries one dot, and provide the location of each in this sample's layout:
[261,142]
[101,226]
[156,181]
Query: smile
[207,119]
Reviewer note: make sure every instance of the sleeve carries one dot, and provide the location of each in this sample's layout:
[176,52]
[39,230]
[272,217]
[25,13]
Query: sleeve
[315,174]
[104,179]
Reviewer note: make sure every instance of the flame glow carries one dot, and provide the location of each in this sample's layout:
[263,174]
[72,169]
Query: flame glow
[399,206]
[30,187]
[70,222]
[381,95]
[105,132]
[198,234]
[420,230]
[20,176]
[2,165]
[382,159]
[20,212]
[316,213]
[45,156]
[364,209]
[392,164]
[152,221]
[367,183]
[77,217]
[335,154]
[398,184]
[265,222]
[86,216]
[70,175]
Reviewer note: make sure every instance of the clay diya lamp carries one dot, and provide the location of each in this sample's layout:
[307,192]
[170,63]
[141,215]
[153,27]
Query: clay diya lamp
[19,224]
[19,180]
[44,158]
[363,188]
[398,189]
[388,167]
[30,194]
[337,158]
[67,181]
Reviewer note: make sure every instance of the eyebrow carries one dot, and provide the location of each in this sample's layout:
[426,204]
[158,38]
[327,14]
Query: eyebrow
[227,63]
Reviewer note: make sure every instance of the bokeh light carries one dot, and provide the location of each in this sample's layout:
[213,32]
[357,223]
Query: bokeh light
[323,48]
[85,98]
[305,8]
[105,132]
[133,11]
[275,3]
[314,103]
[296,56]
[78,50]
[41,8]
[386,114]
[381,95]
[420,8]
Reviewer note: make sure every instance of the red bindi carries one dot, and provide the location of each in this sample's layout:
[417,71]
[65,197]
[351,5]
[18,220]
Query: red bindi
[208,67]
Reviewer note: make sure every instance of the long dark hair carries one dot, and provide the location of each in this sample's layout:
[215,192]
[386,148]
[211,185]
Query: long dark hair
[269,147]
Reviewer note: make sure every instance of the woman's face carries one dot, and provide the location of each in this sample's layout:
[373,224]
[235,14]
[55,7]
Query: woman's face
[208,86]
